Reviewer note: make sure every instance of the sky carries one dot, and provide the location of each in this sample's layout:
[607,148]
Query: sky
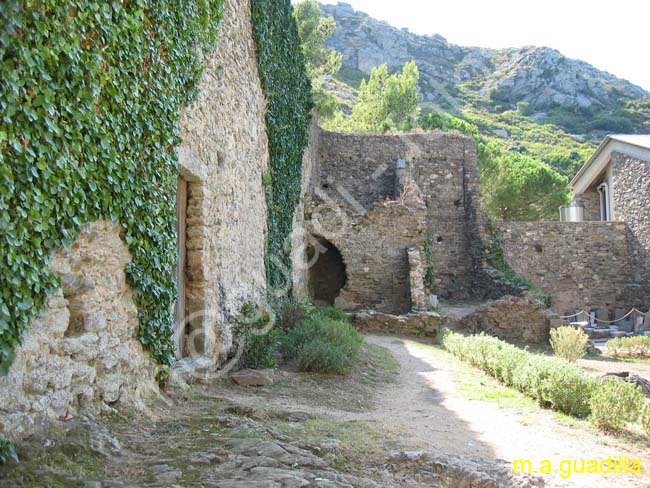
[613,36]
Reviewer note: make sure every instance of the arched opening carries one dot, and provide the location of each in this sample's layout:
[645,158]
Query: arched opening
[327,275]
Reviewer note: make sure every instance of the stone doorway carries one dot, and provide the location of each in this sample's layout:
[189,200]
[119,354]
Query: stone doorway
[327,271]
[181,231]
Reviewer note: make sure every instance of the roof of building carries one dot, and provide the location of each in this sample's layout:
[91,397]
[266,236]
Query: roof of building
[635,145]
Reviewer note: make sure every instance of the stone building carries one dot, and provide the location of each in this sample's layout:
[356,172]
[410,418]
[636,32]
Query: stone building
[603,259]
[372,197]
[614,185]
[83,353]
[383,223]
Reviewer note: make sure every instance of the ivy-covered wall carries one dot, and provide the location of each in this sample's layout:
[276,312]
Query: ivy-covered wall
[286,85]
[90,94]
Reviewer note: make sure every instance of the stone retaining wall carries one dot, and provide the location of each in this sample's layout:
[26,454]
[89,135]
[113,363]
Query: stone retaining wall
[515,319]
[580,265]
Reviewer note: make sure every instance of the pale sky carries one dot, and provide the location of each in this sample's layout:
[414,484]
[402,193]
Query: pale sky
[613,36]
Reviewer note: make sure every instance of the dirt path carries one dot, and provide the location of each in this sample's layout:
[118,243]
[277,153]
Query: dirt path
[426,406]
[408,415]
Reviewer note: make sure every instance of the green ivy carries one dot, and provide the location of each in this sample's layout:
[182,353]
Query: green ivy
[496,258]
[8,452]
[429,275]
[90,94]
[284,79]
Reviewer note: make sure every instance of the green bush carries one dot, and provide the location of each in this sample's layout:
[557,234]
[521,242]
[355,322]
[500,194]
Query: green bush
[614,403]
[322,344]
[258,350]
[554,383]
[645,419]
[259,343]
[332,312]
[637,347]
[7,452]
[569,343]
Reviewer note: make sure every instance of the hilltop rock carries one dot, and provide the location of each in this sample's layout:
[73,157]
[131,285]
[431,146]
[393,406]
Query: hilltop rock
[540,76]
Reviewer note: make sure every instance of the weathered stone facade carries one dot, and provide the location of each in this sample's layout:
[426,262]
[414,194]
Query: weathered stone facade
[378,195]
[631,201]
[223,156]
[580,265]
[84,352]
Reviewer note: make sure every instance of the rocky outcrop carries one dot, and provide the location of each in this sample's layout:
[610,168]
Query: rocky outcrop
[538,75]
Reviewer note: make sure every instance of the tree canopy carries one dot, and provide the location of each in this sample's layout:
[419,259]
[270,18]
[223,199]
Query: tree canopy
[322,62]
[386,101]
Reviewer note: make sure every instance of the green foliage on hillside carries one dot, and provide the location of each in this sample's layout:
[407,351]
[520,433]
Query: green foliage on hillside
[283,74]
[542,141]
[314,30]
[386,101]
[514,186]
[90,98]
[517,187]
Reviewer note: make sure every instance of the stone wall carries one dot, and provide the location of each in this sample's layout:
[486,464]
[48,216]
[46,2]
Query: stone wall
[83,353]
[590,201]
[516,319]
[631,200]
[358,172]
[373,247]
[581,265]
[224,155]
[300,238]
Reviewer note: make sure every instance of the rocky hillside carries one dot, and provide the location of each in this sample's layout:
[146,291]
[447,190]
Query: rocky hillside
[540,81]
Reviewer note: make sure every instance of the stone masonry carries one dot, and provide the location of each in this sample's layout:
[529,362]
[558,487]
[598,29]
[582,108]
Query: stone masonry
[581,265]
[223,156]
[84,352]
[355,206]
[631,198]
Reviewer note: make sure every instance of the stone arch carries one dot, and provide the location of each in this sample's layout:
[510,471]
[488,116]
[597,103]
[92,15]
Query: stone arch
[327,273]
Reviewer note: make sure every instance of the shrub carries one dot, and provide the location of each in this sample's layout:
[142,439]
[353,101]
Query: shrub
[645,419]
[291,311]
[332,312]
[554,383]
[614,403]
[569,343]
[568,389]
[258,345]
[7,452]
[322,344]
[638,347]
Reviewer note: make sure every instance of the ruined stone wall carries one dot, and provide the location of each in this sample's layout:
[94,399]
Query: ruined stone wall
[631,200]
[83,353]
[358,171]
[515,319]
[581,265]
[373,247]
[224,156]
